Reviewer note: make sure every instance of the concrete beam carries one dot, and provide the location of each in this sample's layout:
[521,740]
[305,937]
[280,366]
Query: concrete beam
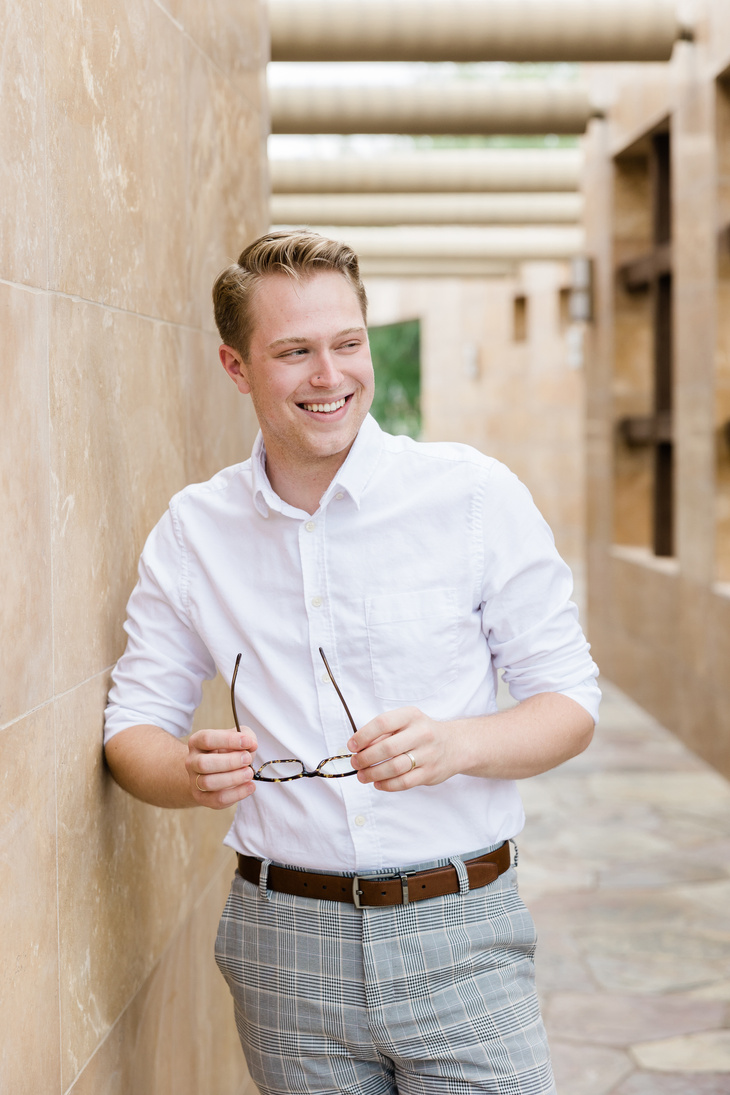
[458,170]
[390,209]
[496,244]
[436,268]
[464,30]
[458,107]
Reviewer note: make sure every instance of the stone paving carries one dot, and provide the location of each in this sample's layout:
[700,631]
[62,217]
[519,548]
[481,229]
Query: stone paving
[625,865]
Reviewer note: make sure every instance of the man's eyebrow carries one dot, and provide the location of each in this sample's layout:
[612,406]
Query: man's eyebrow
[299,338]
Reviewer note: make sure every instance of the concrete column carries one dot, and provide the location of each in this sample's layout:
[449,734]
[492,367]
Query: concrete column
[463,30]
[468,106]
[457,170]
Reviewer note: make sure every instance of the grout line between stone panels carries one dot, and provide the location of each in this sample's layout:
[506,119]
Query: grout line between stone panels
[130,1001]
[206,56]
[170,16]
[50,546]
[185,128]
[61,695]
[179,26]
[53,696]
[108,307]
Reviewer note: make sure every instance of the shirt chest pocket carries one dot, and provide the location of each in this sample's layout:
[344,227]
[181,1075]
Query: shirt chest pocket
[413,643]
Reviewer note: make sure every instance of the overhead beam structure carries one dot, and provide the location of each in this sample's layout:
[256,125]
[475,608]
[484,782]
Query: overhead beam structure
[461,171]
[489,245]
[465,30]
[448,107]
[393,209]
[468,267]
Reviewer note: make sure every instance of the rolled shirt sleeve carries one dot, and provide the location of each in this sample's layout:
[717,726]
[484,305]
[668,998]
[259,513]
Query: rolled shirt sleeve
[528,619]
[158,680]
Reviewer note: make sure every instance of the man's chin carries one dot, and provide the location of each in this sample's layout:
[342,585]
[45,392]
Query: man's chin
[324,445]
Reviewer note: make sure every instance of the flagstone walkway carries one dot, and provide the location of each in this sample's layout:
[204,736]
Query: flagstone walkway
[625,865]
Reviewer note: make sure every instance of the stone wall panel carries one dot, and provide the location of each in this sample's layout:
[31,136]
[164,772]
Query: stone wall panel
[29,977]
[116,154]
[26,637]
[132,169]
[23,227]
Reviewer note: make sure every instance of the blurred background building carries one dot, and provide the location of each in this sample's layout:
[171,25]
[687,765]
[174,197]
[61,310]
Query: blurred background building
[540,193]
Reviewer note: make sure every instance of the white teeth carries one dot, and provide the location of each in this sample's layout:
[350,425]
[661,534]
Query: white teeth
[327,408]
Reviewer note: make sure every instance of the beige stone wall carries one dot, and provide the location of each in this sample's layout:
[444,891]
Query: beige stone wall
[131,170]
[661,627]
[520,400]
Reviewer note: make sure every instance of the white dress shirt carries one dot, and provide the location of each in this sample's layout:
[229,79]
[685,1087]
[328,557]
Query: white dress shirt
[425,569]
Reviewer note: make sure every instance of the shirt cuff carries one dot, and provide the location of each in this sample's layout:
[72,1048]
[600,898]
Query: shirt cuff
[587,694]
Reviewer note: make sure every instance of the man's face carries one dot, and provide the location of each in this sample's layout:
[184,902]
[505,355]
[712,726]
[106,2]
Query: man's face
[309,371]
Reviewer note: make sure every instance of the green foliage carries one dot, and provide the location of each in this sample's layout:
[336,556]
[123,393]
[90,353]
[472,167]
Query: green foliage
[396,351]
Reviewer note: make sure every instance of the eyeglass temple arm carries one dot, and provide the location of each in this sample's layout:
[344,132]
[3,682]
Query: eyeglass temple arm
[337,689]
[233,693]
[331,677]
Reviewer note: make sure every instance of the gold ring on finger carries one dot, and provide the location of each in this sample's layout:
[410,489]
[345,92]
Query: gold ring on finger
[412,760]
[204,790]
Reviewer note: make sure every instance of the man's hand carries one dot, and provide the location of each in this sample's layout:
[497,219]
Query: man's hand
[540,733]
[212,768]
[382,749]
[219,766]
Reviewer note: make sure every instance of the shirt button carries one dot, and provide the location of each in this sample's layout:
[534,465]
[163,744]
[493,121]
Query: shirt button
[310,526]
[324,679]
[339,496]
[316,602]
[360,820]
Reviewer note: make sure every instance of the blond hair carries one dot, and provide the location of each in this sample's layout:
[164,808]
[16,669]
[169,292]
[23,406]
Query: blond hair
[296,252]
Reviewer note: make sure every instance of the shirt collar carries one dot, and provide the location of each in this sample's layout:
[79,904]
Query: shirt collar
[264,497]
[351,479]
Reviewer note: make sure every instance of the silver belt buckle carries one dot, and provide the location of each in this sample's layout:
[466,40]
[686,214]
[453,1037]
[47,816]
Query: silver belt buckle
[356,891]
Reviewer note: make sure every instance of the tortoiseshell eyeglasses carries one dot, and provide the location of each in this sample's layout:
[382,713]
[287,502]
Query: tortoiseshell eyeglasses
[283,771]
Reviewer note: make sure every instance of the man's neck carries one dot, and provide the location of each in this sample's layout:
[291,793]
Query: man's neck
[303,486]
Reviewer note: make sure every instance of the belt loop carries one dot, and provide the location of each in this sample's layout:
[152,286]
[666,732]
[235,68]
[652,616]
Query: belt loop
[458,864]
[263,880]
[516,859]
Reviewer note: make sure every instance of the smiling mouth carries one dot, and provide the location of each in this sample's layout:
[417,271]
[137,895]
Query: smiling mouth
[326,408]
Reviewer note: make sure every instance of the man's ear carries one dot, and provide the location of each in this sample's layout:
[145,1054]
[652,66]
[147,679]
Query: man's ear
[232,362]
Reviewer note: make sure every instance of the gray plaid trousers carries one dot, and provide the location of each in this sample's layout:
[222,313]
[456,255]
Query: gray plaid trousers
[431,998]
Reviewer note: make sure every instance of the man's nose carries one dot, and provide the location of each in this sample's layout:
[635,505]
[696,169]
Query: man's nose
[326,373]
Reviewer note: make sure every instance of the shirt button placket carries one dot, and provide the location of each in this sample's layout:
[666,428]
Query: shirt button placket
[335,729]
[312,555]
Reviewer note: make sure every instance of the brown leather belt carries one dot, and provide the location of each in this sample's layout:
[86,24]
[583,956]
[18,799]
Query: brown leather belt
[392,888]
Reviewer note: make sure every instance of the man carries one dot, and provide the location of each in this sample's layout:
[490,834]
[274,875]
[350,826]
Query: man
[407,574]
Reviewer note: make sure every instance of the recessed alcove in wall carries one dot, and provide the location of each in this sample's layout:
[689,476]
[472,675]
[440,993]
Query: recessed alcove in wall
[642,377]
[564,317]
[722,356]
[632,386]
[520,318]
